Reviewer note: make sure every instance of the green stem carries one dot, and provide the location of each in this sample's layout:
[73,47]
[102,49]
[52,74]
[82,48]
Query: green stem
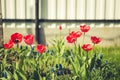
[83,37]
[60,34]
[75,47]
[86,66]
[30,46]
[69,30]
[93,45]
[17,46]
[87,57]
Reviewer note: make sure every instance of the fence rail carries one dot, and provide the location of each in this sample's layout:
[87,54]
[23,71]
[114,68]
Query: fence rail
[58,21]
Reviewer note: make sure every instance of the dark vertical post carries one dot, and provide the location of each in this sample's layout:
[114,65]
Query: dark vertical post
[37,32]
[40,34]
[1,27]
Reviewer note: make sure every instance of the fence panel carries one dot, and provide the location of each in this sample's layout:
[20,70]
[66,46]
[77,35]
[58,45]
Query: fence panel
[63,9]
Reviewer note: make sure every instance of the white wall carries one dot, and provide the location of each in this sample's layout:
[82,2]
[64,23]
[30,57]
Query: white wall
[62,9]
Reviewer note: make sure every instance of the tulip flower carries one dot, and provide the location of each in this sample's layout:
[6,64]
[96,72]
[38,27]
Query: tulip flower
[29,39]
[41,48]
[87,47]
[8,45]
[60,27]
[95,39]
[76,34]
[72,37]
[16,38]
[84,28]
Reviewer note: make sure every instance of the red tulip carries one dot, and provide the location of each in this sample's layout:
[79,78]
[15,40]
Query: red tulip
[8,45]
[16,38]
[60,27]
[41,48]
[84,28]
[78,34]
[29,39]
[95,39]
[73,34]
[71,39]
[87,47]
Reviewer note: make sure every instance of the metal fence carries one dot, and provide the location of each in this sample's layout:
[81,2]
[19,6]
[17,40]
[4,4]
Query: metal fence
[52,13]
[62,11]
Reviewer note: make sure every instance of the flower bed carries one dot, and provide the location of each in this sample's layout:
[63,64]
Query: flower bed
[37,62]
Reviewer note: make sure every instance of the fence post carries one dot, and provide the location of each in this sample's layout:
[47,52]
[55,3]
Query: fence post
[1,27]
[39,32]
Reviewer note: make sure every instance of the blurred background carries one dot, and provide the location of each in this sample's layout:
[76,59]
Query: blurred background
[43,17]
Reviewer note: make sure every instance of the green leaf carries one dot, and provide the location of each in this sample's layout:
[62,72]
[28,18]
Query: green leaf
[36,75]
[9,75]
[22,75]
[15,75]
[3,79]
[73,66]
[92,62]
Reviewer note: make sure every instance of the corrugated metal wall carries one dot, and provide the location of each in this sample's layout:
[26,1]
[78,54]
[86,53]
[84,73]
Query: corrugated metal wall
[68,10]
[62,9]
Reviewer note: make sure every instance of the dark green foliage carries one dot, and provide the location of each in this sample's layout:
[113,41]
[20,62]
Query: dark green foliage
[60,63]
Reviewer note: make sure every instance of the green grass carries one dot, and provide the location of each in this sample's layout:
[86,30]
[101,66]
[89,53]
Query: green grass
[112,56]
[60,54]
